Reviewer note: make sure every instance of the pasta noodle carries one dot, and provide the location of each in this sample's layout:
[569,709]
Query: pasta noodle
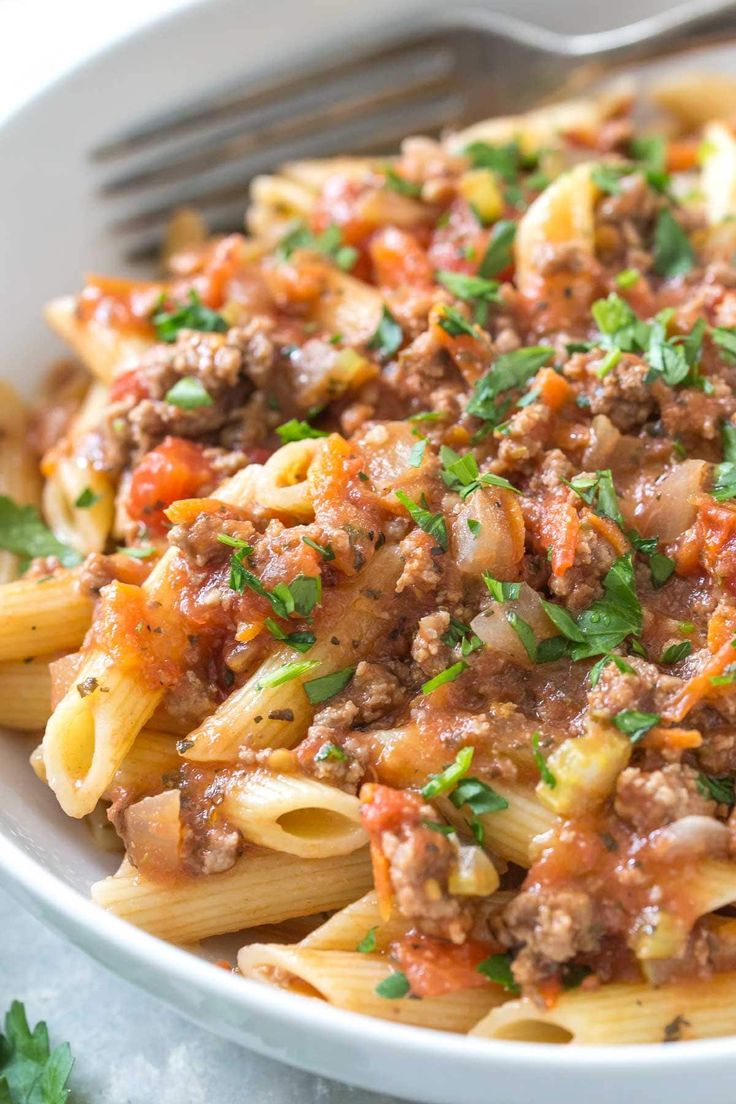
[25,693]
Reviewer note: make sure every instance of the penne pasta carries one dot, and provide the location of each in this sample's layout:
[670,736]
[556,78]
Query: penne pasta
[25,694]
[292,813]
[42,615]
[103,349]
[264,887]
[348,980]
[253,716]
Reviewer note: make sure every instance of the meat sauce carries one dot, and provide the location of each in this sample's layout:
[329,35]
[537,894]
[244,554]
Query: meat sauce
[574,458]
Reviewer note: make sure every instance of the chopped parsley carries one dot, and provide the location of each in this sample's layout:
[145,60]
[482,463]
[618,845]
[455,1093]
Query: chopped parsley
[673,253]
[524,632]
[23,533]
[474,526]
[191,315]
[86,499]
[326,551]
[727,678]
[189,393]
[321,689]
[497,968]
[296,430]
[724,475]
[498,255]
[675,652]
[475,290]
[448,675]
[400,184]
[454,324]
[447,779]
[461,473]
[544,772]
[330,751]
[460,633]
[719,787]
[501,592]
[608,621]
[725,338]
[635,724]
[328,243]
[367,944]
[300,596]
[302,640]
[478,796]
[393,987]
[433,524]
[137,551]
[596,670]
[435,826]
[289,671]
[30,1072]
[628,277]
[388,336]
[416,453]
[508,372]
[608,177]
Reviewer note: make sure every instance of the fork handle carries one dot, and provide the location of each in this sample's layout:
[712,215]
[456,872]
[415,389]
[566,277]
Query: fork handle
[683,27]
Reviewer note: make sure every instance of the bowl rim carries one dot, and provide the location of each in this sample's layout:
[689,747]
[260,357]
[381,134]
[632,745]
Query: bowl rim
[66,910]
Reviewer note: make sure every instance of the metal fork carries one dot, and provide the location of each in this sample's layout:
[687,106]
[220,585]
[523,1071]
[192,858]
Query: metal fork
[446,73]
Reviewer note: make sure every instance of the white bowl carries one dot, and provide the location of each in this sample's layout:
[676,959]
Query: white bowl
[52,230]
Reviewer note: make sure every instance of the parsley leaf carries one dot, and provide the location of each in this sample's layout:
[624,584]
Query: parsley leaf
[498,251]
[501,592]
[288,672]
[475,290]
[189,393]
[330,751]
[388,336]
[86,499]
[675,652]
[296,430]
[448,675]
[433,524]
[300,596]
[326,551]
[596,670]
[329,243]
[498,968]
[635,724]
[724,474]
[191,315]
[302,640]
[610,619]
[453,323]
[719,787]
[478,796]
[460,633]
[367,944]
[400,184]
[448,778]
[725,338]
[506,160]
[23,533]
[320,689]
[30,1072]
[508,372]
[461,473]
[544,772]
[673,253]
[393,987]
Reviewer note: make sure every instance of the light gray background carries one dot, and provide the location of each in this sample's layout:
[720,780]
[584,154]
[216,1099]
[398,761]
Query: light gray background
[129,1048]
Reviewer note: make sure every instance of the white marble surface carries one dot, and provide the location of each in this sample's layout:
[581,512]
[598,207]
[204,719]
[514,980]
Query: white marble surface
[129,1049]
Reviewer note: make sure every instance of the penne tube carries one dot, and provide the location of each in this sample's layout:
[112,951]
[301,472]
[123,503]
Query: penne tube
[293,813]
[348,980]
[353,618]
[264,887]
[19,477]
[621,1013]
[85,528]
[152,755]
[510,833]
[344,930]
[40,616]
[89,734]
[105,350]
[25,694]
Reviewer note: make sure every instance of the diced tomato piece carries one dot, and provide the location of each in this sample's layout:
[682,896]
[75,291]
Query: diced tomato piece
[177,468]
[119,303]
[384,809]
[129,385]
[339,204]
[435,966]
[399,260]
